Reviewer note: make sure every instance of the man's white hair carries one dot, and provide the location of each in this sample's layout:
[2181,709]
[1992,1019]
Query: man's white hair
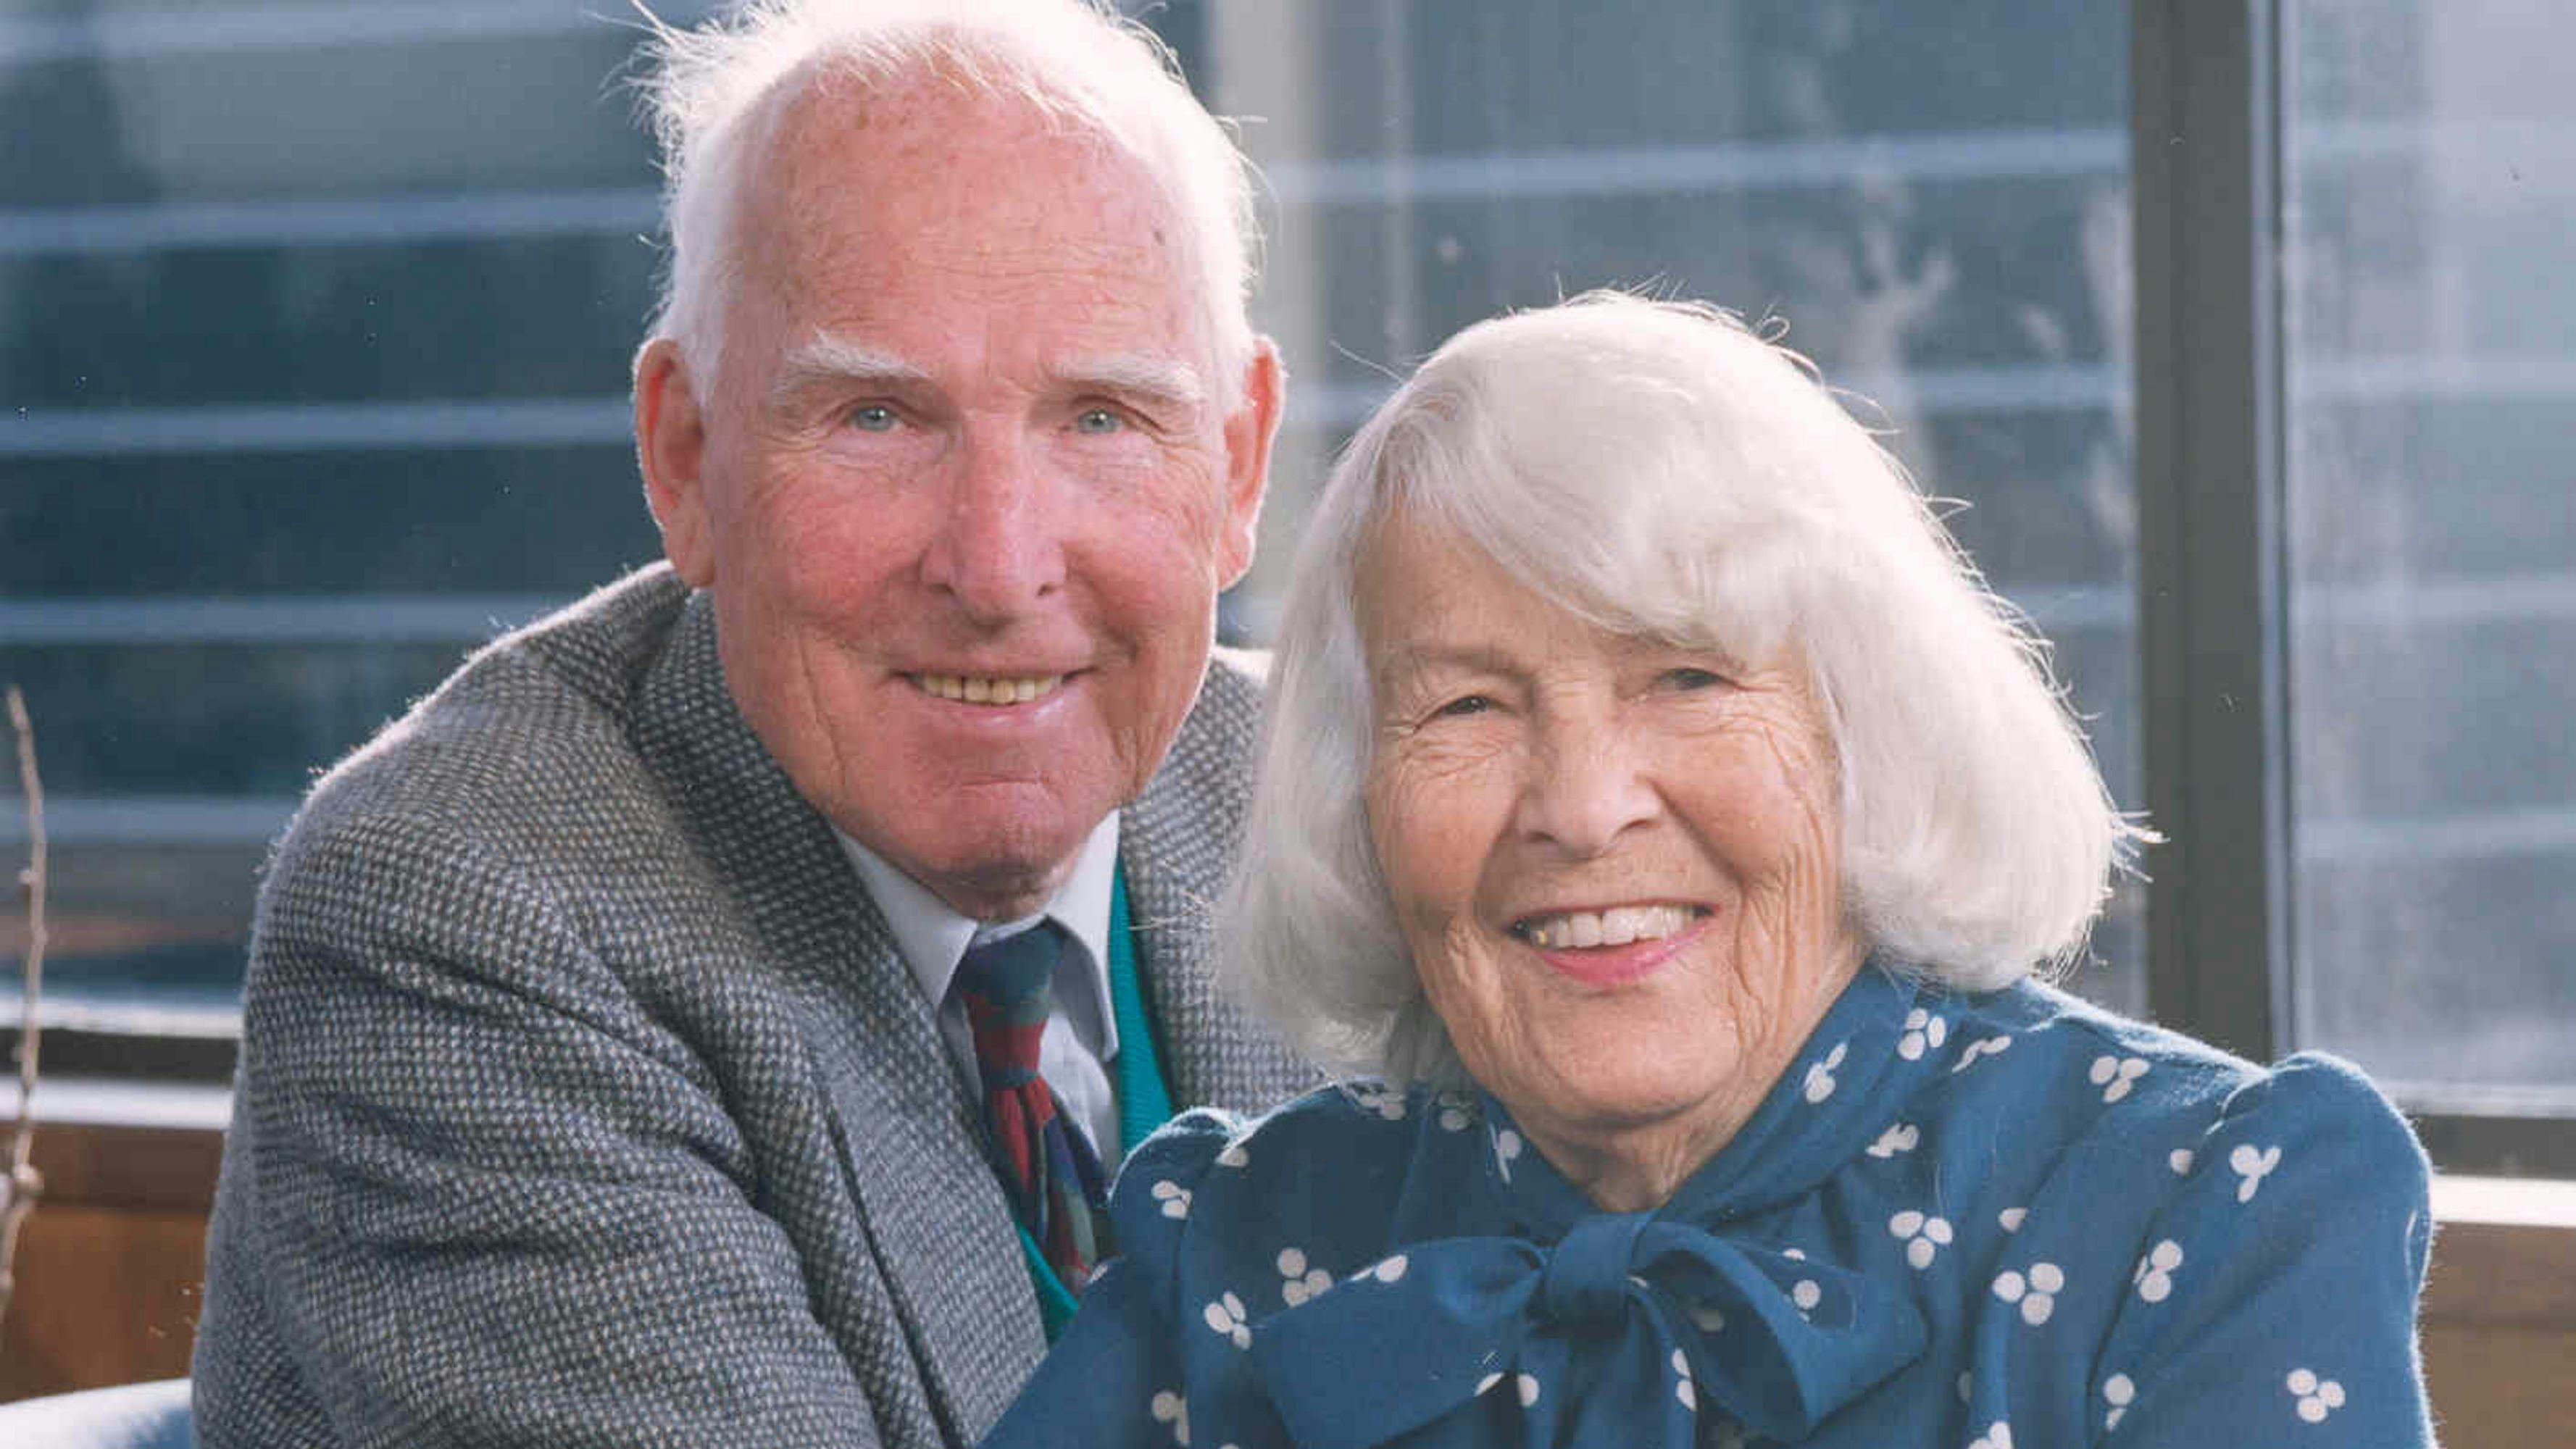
[715,95]
[1661,471]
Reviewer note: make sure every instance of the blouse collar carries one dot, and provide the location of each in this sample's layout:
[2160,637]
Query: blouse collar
[1613,1325]
[1825,1110]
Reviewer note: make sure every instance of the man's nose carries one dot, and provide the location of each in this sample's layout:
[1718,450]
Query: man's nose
[999,548]
[1586,785]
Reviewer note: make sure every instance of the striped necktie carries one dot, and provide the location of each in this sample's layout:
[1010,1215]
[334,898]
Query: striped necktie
[1048,1169]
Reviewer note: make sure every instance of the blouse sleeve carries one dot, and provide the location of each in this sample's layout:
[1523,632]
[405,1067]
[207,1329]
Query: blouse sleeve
[2274,1298]
[1115,1375]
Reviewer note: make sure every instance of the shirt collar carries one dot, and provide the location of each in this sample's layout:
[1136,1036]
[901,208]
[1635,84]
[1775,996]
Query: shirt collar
[933,938]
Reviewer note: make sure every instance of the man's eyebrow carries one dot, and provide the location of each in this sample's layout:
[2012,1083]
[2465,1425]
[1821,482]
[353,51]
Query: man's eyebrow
[825,358]
[1137,374]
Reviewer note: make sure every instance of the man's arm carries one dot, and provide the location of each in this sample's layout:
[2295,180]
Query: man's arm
[479,1196]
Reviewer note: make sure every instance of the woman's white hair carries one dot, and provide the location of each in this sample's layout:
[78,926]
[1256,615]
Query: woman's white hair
[714,96]
[1662,471]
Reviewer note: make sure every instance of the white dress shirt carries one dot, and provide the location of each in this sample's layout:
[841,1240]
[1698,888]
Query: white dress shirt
[1081,1032]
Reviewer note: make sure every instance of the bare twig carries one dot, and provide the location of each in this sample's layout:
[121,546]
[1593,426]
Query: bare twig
[19,1192]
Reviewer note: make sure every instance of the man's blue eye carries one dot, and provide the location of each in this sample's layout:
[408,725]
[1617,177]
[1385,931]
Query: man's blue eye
[1096,420]
[873,418]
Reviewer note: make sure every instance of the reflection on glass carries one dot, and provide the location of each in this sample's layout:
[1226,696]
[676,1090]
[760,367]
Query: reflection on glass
[313,324]
[2431,357]
[1934,199]
[320,322]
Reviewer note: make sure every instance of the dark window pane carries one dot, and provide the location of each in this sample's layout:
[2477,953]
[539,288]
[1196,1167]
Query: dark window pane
[404,520]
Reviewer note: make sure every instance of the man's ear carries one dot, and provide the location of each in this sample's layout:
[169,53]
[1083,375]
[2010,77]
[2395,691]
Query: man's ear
[1249,432]
[671,449]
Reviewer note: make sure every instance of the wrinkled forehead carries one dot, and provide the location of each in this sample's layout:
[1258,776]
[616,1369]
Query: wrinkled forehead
[917,148]
[1634,539]
[1418,570]
[939,188]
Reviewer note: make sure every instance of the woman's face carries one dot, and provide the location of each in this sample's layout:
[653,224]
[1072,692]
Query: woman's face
[1614,860]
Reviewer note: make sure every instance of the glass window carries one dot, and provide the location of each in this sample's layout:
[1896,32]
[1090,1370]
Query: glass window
[2430,354]
[1934,200]
[314,320]
[313,329]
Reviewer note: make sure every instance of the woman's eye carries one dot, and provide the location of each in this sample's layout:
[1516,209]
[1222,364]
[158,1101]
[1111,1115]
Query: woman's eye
[1097,420]
[872,418]
[1688,678]
[1468,704]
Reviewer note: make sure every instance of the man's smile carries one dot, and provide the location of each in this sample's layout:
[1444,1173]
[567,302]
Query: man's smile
[988,688]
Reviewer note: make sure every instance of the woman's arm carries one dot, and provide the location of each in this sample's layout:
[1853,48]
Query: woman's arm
[2274,1299]
[1115,1377]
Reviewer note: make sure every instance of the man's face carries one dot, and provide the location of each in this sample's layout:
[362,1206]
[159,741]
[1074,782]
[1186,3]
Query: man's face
[968,484]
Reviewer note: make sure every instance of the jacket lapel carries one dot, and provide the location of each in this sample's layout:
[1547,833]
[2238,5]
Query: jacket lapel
[931,1214]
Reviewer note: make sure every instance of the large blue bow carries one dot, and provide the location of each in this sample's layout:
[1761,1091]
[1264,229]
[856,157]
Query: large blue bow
[1621,1333]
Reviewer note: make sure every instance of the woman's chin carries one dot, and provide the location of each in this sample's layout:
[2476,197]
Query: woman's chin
[1626,1107]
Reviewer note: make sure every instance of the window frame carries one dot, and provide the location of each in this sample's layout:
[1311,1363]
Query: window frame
[2211,481]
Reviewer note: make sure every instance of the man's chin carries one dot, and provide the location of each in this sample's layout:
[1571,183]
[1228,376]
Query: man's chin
[994,869]
[1001,893]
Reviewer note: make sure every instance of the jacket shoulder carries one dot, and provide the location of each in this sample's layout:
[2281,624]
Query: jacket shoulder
[542,711]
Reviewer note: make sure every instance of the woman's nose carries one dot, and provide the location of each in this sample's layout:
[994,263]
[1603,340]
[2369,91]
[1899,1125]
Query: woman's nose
[1586,787]
[999,548]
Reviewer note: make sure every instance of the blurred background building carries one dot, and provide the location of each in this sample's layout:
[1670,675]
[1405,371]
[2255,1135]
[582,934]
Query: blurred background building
[314,317]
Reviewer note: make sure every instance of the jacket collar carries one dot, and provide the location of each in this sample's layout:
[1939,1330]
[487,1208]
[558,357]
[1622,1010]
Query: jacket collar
[932,1214]
[906,1132]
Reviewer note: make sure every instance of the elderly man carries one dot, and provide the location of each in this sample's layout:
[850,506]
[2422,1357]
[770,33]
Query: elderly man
[622,1038]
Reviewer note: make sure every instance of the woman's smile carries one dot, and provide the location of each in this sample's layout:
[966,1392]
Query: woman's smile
[1613,946]
[1614,858]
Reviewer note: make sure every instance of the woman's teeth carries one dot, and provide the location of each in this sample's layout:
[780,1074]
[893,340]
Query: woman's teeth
[1617,926]
[988,689]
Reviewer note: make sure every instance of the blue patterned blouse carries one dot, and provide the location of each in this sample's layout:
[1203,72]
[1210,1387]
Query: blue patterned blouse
[1962,1222]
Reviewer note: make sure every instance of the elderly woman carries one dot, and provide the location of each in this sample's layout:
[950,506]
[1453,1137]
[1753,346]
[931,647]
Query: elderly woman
[1657,802]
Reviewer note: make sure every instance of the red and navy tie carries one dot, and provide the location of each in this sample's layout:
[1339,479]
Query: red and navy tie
[1047,1167]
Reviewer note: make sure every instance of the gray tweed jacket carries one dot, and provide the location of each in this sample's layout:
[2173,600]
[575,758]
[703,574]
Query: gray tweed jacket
[585,1101]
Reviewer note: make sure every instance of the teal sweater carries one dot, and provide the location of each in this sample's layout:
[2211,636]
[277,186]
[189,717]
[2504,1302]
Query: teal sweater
[1144,1103]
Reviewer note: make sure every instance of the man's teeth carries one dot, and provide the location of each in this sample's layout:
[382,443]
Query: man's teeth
[1614,927]
[988,689]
